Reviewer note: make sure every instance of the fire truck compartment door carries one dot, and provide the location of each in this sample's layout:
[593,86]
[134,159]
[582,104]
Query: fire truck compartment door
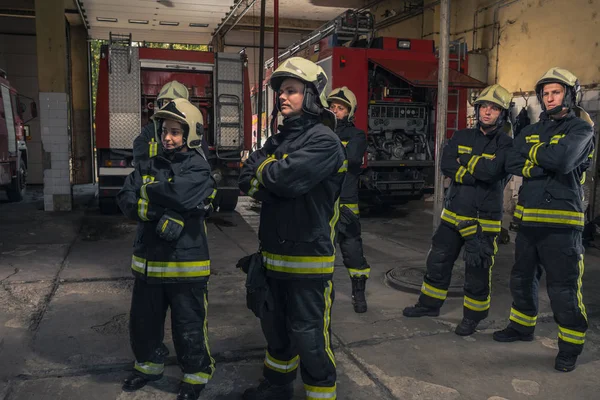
[424,74]
[124,95]
[10,121]
[229,93]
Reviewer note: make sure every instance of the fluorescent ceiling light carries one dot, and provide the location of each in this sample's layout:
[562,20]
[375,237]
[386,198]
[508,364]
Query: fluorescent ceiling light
[197,25]
[104,19]
[138,21]
[169,23]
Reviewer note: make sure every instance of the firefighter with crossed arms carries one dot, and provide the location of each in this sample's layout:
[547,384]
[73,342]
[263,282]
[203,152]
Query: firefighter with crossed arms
[551,156]
[298,176]
[342,102]
[168,195]
[472,214]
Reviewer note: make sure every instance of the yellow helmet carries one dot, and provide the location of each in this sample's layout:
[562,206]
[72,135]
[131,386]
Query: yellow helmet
[172,90]
[308,72]
[344,96]
[184,112]
[495,94]
[568,80]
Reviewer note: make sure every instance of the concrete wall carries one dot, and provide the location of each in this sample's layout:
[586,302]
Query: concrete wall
[18,59]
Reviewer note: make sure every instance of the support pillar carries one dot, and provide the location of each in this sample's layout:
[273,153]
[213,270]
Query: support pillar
[53,103]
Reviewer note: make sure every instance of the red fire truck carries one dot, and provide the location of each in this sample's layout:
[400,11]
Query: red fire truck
[15,111]
[129,81]
[395,83]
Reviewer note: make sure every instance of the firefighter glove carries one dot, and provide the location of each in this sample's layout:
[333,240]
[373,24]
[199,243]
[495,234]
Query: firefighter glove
[471,232]
[169,226]
[258,295]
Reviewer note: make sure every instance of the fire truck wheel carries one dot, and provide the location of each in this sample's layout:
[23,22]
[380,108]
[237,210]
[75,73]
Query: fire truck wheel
[16,191]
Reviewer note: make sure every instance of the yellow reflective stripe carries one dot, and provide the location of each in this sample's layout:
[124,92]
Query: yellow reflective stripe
[198,378]
[591,155]
[582,180]
[148,179]
[319,393]
[522,319]
[142,209]
[488,156]
[205,330]
[460,174]
[149,368]
[177,221]
[178,269]
[527,168]
[352,207]
[299,264]
[254,186]
[472,163]
[143,191]
[468,231]
[580,304]
[344,142]
[327,321]
[535,151]
[153,148]
[430,291]
[358,273]
[344,167]
[259,171]
[283,367]
[213,194]
[464,149]
[332,223]
[556,138]
[138,264]
[532,139]
[550,216]
[476,305]
[164,225]
[571,336]
[487,225]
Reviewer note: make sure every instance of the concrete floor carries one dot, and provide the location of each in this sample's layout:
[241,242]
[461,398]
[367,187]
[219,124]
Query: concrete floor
[65,289]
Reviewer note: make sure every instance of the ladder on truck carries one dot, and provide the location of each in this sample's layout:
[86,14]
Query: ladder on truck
[124,92]
[347,27]
[458,52]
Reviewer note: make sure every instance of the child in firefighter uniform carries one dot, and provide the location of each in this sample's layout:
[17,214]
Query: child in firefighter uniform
[298,176]
[167,195]
[472,214]
[551,156]
[342,103]
[146,144]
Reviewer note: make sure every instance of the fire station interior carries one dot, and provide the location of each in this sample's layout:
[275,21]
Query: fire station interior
[79,81]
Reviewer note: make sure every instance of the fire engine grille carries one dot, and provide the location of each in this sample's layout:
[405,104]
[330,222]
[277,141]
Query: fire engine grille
[124,98]
[229,94]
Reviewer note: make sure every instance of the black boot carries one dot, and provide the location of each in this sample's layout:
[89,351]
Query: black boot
[268,391]
[510,334]
[188,391]
[358,294]
[136,381]
[565,362]
[466,327]
[419,310]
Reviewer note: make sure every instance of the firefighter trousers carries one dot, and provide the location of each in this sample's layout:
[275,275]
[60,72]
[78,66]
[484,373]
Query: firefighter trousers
[445,249]
[559,251]
[298,334]
[349,231]
[189,303]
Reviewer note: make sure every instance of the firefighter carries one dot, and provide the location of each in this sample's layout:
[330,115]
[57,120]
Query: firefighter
[167,195]
[298,176]
[551,156]
[472,214]
[342,103]
[146,145]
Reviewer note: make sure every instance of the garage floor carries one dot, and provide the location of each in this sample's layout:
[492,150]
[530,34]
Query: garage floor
[65,290]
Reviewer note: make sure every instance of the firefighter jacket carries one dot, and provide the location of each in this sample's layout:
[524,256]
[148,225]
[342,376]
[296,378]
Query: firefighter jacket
[552,156]
[355,142]
[156,187]
[146,146]
[298,176]
[475,163]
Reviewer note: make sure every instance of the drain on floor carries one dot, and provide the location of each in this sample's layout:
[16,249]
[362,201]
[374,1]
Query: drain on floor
[410,279]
